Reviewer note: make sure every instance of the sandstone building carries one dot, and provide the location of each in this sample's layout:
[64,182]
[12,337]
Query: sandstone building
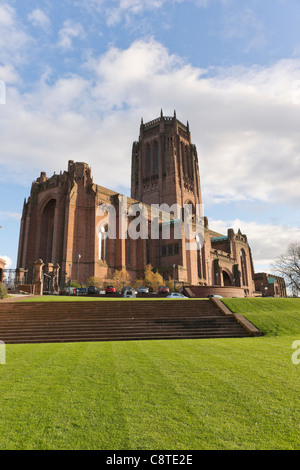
[61,220]
[2,266]
[270,285]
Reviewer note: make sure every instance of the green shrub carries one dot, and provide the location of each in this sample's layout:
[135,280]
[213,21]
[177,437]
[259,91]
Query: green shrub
[3,291]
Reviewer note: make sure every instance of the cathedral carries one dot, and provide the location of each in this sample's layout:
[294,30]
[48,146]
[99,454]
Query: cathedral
[66,221]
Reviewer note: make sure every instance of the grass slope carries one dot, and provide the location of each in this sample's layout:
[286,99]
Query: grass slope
[188,394]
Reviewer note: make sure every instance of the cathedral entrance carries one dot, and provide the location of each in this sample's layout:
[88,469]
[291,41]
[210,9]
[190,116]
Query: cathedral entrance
[47,229]
[226,279]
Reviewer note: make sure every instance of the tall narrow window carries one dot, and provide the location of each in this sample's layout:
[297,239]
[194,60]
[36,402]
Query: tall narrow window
[148,160]
[147,252]
[198,254]
[186,158]
[102,244]
[47,232]
[128,251]
[244,268]
[155,158]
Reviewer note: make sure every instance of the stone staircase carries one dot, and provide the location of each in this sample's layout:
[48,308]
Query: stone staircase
[43,322]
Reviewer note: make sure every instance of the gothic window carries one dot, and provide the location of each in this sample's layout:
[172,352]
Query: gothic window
[136,168]
[103,244]
[244,267]
[47,231]
[128,254]
[155,158]
[147,252]
[198,254]
[148,160]
[186,166]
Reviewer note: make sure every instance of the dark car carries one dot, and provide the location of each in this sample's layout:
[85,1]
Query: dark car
[93,290]
[163,290]
[110,290]
[80,290]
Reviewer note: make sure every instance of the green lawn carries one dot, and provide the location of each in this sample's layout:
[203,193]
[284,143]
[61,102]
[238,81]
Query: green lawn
[172,395]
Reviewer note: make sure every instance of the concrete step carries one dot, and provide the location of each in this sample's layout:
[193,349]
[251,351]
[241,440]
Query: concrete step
[22,322]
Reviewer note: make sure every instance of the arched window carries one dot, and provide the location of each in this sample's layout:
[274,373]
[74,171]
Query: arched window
[186,159]
[47,232]
[148,160]
[226,279]
[128,254]
[199,256]
[155,158]
[244,267]
[103,243]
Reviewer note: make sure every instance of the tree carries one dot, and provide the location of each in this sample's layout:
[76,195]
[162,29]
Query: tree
[3,291]
[94,281]
[287,266]
[121,276]
[152,279]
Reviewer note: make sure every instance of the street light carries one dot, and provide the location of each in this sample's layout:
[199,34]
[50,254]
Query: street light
[174,266]
[78,258]
[207,261]
[70,267]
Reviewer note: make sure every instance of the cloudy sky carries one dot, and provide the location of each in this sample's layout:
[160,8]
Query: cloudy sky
[77,76]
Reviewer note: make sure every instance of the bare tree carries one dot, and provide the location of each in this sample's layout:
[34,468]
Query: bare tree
[287,266]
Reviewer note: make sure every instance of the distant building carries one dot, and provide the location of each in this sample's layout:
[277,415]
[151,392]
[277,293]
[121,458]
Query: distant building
[269,285]
[60,220]
[2,266]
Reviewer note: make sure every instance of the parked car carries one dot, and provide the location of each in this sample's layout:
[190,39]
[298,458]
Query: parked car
[80,290]
[93,290]
[215,295]
[128,292]
[129,295]
[69,290]
[125,289]
[143,290]
[110,290]
[176,295]
[163,290]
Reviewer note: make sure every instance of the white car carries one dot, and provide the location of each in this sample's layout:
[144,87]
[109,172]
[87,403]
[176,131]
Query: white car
[176,295]
[143,290]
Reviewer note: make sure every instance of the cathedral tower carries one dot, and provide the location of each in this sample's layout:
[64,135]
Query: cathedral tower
[165,164]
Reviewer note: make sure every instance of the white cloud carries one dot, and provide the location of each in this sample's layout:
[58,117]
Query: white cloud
[126,10]
[129,8]
[7,260]
[13,38]
[8,74]
[243,121]
[9,215]
[267,241]
[39,18]
[70,30]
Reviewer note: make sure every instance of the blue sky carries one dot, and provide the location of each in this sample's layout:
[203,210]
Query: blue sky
[79,75]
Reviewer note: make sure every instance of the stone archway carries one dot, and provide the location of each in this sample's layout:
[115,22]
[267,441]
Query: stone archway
[227,281]
[47,231]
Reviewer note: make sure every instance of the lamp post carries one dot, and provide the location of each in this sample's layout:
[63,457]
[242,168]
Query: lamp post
[70,267]
[174,266]
[207,261]
[78,258]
